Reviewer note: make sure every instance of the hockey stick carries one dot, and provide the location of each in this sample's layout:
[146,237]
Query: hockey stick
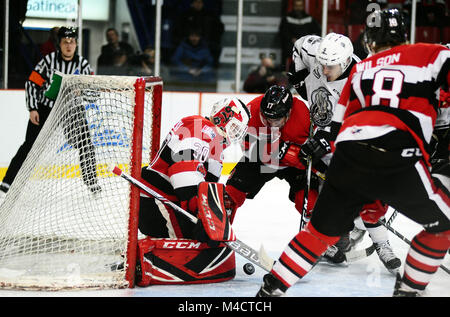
[392,217]
[306,193]
[355,255]
[308,184]
[402,237]
[261,258]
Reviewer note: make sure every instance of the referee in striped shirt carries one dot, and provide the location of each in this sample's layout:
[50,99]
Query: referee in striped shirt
[66,61]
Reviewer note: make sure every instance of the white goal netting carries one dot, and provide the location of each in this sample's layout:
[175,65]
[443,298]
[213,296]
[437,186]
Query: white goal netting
[64,222]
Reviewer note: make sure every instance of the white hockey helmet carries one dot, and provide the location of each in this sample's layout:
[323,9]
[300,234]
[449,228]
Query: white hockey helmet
[335,49]
[230,116]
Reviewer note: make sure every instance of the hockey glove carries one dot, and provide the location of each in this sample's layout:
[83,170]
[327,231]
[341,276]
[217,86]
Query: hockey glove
[297,80]
[289,155]
[190,205]
[315,147]
[372,212]
[444,98]
[233,199]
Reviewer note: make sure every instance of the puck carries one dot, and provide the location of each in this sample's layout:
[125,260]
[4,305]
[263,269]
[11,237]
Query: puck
[249,269]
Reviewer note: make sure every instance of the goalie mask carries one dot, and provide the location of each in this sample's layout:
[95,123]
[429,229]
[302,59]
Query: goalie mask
[230,116]
[335,49]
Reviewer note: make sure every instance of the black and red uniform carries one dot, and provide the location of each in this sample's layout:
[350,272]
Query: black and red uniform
[263,156]
[171,253]
[386,113]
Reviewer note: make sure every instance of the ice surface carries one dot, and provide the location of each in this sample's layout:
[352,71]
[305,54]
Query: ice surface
[271,219]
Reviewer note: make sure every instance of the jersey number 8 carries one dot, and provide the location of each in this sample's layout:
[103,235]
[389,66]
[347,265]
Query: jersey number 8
[387,85]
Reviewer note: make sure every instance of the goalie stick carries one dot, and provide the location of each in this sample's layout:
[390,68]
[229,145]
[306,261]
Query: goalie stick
[402,237]
[261,258]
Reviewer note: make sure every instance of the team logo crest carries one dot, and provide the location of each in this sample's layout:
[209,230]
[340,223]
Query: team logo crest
[321,107]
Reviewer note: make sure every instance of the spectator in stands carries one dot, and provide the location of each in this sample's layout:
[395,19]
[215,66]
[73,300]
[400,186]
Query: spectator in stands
[294,25]
[192,58]
[51,44]
[145,62]
[264,76]
[431,13]
[208,22]
[110,51]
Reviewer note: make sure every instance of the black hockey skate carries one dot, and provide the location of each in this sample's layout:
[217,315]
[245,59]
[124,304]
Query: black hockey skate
[344,243]
[272,287]
[4,187]
[93,186]
[334,256]
[387,257]
[399,292]
[356,236]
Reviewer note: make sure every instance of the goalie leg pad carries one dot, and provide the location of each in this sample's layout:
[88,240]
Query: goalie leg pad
[182,261]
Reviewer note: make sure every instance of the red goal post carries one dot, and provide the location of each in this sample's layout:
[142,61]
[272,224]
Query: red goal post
[136,159]
[67,222]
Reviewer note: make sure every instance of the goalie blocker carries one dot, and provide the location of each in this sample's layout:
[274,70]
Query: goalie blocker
[187,261]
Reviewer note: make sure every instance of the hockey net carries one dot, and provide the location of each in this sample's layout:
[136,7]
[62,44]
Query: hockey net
[67,222]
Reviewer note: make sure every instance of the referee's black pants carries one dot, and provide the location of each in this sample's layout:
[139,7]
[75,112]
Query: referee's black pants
[30,136]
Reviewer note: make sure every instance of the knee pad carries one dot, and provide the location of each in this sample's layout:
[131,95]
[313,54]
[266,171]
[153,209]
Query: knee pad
[182,261]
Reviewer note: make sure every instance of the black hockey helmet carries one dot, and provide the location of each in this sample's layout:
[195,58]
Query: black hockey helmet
[276,103]
[64,32]
[385,28]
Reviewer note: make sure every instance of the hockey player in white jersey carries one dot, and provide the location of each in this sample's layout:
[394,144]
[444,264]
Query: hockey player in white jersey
[322,66]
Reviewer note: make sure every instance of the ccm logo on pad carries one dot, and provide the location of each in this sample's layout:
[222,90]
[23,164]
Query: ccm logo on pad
[181,245]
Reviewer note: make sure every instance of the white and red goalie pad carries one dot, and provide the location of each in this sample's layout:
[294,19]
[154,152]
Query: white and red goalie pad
[212,212]
[183,261]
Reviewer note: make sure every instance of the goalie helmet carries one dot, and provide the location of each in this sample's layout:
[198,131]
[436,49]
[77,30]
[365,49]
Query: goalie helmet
[385,28]
[276,103]
[335,49]
[230,116]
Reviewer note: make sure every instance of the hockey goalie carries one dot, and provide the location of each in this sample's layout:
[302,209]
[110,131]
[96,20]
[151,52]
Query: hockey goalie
[185,171]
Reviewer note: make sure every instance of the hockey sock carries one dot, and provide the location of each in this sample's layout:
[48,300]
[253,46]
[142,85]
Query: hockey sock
[359,224]
[426,253]
[378,233]
[301,254]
